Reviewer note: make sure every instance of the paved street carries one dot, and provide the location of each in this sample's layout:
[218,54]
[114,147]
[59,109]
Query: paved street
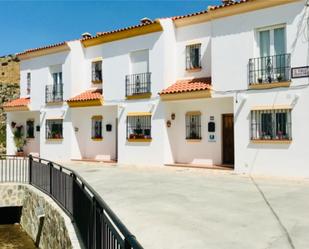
[180,208]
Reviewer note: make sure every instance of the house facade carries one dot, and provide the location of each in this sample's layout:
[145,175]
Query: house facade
[225,86]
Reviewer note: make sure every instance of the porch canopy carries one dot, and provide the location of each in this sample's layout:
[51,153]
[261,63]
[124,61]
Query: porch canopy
[21,104]
[91,97]
[188,89]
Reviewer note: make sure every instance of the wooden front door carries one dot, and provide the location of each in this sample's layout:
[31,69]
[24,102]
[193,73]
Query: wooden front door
[228,139]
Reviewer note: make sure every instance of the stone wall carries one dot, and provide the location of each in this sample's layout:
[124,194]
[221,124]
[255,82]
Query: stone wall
[9,89]
[9,70]
[58,231]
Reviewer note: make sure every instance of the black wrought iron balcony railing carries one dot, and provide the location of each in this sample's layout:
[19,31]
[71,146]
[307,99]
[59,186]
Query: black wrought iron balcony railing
[270,69]
[54,93]
[137,84]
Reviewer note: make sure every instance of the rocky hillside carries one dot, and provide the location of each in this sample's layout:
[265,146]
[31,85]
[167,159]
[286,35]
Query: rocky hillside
[9,89]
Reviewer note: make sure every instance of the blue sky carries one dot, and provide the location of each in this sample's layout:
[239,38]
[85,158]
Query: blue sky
[30,24]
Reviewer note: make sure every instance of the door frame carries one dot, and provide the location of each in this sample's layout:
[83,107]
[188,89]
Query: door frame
[222,137]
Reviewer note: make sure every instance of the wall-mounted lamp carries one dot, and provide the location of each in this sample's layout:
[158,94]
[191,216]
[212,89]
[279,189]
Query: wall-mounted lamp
[76,129]
[173,116]
[168,123]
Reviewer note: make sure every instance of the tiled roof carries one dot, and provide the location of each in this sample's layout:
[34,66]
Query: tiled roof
[41,48]
[17,102]
[119,30]
[189,15]
[228,4]
[190,85]
[94,94]
[210,8]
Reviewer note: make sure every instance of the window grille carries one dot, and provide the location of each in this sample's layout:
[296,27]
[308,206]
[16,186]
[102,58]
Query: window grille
[139,127]
[138,84]
[54,128]
[193,126]
[97,71]
[30,129]
[28,83]
[271,124]
[96,131]
[193,56]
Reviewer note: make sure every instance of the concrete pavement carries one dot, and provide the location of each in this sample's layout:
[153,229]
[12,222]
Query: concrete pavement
[179,208]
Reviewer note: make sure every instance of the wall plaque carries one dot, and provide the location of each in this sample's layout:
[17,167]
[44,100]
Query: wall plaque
[300,72]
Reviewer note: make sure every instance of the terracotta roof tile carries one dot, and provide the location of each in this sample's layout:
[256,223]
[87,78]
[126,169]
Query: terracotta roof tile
[88,95]
[210,8]
[41,48]
[190,85]
[119,30]
[17,102]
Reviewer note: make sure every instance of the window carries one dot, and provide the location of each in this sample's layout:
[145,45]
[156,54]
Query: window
[271,124]
[96,131]
[97,72]
[28,83]
[54,128]
[272,41]
[193,125]
[57,78]
[193,56]
[139,127]
[30,128]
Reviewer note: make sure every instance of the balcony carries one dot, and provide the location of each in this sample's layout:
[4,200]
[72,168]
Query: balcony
[138,85]
[54,93]
[270,71]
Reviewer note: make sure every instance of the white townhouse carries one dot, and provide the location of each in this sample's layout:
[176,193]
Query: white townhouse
[227,86]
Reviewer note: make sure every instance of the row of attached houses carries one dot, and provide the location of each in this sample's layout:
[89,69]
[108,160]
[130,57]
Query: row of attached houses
[225,86]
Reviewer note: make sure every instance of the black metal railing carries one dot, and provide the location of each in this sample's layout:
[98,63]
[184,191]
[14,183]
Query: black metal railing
[270,69]
[96,223]
[54,93]
[138,84]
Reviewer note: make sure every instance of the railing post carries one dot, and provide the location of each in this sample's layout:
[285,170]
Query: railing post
[50,177]
[30,168]
[127,244]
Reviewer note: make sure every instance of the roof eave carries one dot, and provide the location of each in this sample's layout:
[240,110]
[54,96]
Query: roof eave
[43,51]
[123,34]
[230,10]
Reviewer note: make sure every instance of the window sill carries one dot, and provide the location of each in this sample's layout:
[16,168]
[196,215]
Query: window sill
[97,139]
[144,140]
[30,138]
[54,139]
[189,140]
[55,103]
[192,70]
[262,141]
[97,81]
[269,85]
[139,96]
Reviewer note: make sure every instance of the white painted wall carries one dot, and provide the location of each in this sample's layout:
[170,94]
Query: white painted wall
[20,118]
[193,34]
[203,151]
[82,144]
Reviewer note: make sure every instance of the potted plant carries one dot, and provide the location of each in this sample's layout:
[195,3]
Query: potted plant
[19,140]
[279,77]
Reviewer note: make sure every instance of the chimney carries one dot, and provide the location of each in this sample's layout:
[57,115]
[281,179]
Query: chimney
[145,20]
[225,2]
[86,35]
